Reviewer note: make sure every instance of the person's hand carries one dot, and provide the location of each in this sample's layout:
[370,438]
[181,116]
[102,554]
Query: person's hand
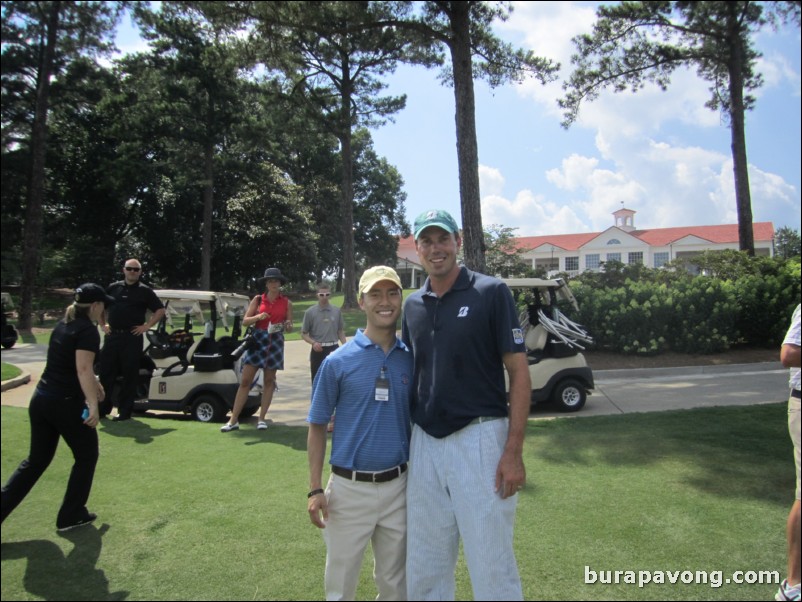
[318,508]
[101,392]
[288,325]
[317,346]
[106,328]
[141,329]
[510,474]
[94,417]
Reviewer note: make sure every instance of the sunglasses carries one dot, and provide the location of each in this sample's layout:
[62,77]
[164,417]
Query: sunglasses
[324,294]
[129,269]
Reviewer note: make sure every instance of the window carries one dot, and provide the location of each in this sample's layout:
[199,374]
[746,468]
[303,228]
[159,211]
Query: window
[660,259]
[572,264]
[636,257]
[614,257]
[613,241]
[592,261]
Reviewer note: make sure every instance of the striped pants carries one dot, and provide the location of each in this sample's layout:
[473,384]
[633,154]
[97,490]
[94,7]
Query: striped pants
[450,494]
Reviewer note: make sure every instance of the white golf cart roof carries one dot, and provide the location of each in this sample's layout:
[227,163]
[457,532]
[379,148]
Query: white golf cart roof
[227,305]
[558,285]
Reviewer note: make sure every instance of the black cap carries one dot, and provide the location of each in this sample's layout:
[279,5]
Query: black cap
[273,273]
[91,292]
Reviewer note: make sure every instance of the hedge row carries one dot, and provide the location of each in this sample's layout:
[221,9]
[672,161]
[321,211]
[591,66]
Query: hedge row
[674,311]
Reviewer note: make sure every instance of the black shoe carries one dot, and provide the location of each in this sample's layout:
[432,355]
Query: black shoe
[87,520]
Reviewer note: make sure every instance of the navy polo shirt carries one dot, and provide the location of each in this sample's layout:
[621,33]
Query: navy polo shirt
[458,341]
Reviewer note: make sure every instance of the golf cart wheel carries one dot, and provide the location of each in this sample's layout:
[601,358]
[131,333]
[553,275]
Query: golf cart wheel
[9,344]
[570,395]
[208,408]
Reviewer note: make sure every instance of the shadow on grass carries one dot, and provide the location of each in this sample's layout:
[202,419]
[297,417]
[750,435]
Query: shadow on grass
[730,452]
[138,430]
[52,575]
[293,437]
[27,336]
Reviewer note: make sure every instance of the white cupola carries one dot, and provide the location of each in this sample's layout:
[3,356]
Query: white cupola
[625,219]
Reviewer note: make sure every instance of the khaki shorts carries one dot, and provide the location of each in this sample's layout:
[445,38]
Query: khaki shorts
[794,427]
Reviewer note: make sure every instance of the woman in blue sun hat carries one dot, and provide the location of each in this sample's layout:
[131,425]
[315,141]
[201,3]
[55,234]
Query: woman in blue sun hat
[271,315]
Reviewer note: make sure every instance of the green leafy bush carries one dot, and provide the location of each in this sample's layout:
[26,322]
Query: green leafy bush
[637,310]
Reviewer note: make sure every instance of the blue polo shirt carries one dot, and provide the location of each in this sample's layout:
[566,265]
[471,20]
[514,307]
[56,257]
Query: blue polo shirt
[458,341]
[370,435]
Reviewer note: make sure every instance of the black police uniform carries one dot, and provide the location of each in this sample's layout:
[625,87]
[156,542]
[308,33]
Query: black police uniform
[122,350]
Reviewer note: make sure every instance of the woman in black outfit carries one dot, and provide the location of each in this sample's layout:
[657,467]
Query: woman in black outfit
[65,404]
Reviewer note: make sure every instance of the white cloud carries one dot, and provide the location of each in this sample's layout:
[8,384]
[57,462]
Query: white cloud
[531,214]
[643,160]
[491,182]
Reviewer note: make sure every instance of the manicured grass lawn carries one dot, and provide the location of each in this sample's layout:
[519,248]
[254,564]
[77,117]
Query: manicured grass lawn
[186,513]
[9,371]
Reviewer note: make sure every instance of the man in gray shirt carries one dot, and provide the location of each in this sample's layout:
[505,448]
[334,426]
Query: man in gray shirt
[323,328]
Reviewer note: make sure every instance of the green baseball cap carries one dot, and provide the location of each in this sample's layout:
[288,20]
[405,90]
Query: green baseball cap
[435,217]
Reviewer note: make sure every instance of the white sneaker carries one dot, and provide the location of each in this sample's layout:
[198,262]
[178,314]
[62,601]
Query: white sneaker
[229,427]
[787,592]
[262,426]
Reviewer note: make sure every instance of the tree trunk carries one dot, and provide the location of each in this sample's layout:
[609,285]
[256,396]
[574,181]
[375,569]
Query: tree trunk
[467,149]
[208,202]
[36,192]
[349,261]
[740,166]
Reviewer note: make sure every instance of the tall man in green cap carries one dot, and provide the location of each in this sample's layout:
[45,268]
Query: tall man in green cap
[466,454]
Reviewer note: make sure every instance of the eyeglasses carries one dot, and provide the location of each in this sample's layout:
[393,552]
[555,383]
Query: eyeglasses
[324,294]
[131,269]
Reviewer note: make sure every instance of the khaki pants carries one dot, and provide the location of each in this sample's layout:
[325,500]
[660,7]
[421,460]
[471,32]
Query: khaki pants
[794,427]
[360,513]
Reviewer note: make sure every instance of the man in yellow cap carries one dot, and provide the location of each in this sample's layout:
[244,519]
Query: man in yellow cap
[367,381]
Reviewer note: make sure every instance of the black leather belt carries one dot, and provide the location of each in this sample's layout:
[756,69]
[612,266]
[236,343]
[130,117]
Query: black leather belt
[370,477]
[796,393]
[119,331]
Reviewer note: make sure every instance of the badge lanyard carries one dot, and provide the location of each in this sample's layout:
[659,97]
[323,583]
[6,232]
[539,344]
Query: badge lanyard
[383,386]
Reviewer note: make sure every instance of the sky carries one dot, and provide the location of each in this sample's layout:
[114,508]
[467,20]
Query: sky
[661,154]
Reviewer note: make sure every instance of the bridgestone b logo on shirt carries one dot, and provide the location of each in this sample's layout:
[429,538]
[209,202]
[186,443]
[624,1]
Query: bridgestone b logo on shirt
[463,312]
[518,336]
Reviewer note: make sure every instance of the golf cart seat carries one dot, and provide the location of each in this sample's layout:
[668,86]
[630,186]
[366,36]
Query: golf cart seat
[205,354]
[159,344]
[535,340]
[178,344]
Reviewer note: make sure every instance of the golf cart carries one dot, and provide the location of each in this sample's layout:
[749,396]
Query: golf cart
[194,372]
[557,368]
[9,333]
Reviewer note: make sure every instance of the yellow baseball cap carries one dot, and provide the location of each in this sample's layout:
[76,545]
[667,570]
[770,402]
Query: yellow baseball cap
[377,274]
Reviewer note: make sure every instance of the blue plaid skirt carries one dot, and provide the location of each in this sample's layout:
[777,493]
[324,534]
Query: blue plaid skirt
[269,352]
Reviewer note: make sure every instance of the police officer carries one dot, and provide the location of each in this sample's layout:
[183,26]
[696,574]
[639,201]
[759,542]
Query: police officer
[122,346]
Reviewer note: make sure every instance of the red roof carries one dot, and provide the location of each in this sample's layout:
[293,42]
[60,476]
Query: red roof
[658,237]
[567,242]
[406,249]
